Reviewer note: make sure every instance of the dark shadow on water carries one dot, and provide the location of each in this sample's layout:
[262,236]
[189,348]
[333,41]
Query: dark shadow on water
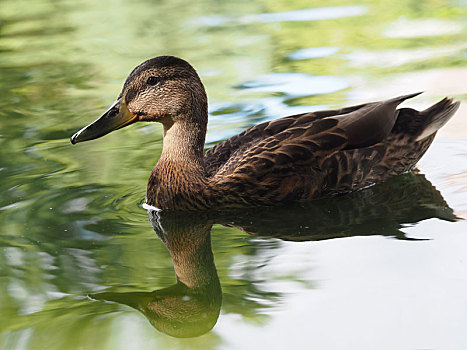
[382,210]
[191,307]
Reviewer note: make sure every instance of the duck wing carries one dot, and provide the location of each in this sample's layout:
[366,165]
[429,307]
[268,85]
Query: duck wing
[410,138]
[289,164]
[223,152]
[306,138]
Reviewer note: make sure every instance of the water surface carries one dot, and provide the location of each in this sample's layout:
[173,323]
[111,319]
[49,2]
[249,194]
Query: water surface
[82,268]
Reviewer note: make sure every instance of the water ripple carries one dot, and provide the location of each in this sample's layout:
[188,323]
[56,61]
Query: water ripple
[296,84]
[312,52]
[399,57]
[405,28]
[310,14]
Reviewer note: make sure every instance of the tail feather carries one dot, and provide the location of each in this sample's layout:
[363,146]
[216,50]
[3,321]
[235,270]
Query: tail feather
[436,116]
[402,98]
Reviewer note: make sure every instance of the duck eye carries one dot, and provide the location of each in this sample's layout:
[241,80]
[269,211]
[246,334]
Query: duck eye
[152,80]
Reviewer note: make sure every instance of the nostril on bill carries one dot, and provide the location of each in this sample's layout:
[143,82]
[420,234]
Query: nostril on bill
[112,112]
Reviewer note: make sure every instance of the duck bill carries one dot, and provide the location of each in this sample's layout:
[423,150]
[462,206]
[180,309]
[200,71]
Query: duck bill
[116,117]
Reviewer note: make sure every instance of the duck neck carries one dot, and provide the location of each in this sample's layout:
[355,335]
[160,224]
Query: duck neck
[188,239]
[192,257]
[184,143]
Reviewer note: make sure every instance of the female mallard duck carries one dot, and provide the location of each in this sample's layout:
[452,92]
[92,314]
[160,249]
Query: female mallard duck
[292,159]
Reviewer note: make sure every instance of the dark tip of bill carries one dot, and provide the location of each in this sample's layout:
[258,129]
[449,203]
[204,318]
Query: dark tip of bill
[73,139]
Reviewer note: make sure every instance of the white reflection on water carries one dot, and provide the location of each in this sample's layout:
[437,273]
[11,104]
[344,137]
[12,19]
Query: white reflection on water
[434,82]
[394,58]
[404,28]
[313,52]
[296,84]
[399,295]
[311,14]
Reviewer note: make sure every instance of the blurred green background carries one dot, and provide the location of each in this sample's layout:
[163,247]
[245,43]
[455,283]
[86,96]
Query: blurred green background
[71,221]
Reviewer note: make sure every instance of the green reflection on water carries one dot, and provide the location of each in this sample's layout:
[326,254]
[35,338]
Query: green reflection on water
[70,220]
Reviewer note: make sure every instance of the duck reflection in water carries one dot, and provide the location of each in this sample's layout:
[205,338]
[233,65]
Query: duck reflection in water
[191,307]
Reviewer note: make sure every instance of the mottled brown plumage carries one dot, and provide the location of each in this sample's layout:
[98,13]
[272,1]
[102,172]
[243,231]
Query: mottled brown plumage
[293,159]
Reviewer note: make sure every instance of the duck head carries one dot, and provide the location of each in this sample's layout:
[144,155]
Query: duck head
[164,89]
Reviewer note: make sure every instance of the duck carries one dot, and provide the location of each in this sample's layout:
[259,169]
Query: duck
[293,159]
